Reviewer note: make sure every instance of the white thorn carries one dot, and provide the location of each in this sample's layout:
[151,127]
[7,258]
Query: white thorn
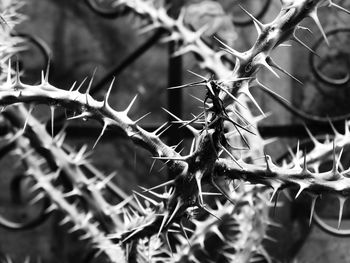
[52,110]
[73,86]
[105,100]
[272,63]
[314,16]
[230,50]
[100,136]
[301,189]
[339,7]
[81,84]
[264,63]
[31,108]
[313,203]
[9,69]
[46,79]
[295,38]
[341,207]
[126,111]
[259,26]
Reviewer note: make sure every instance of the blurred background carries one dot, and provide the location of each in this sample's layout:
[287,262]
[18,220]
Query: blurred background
[81,40]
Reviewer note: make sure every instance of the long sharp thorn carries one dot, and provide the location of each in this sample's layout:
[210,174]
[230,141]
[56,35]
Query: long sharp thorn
[165,218]
[160,185]
[167,128]
[139,203]
[105,100]
[259,26]
[169,158]
[153,202]
[87,92]
[222,191]
[192,121]
[305,161]
[232,157]
[193,84]
[230,50]
[269,68]
[245,90]
[81,84]
[64,221]
[212,214]
[339,157]
[30,110]
[252,99]
[335,168]
[171,114]
[52,110]
[142,117]
[336,133]
[177,145]
[128,237]
[193,145]
[199,76]
[37,198]
[231,96]
[211,194]
[73,86]
[297,151]
[270,91]
[42,77]
[160,128]
[198,99]
[80,116]
[275,204]
[161,196]
[273,64]
[301,189]
[341,207]
[237,125]
[168,243]
[313,203]
[210,88]
[199,186]
[284,45]
[50,209]
[311,137]
[242,136]
[275,191]
[101,134]
[340,7]
[80,154]
[90,82]
[176,209]
[47,71]
[295,38]
[130,105]
[314,16]
[184,233]
[152,165]
[190,128]
[9,70]
[18,79]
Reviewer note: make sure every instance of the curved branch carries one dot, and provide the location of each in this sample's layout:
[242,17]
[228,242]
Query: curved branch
[87,107]
[279,178]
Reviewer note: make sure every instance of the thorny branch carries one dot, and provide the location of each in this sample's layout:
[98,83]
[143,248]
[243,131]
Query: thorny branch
[224,107]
